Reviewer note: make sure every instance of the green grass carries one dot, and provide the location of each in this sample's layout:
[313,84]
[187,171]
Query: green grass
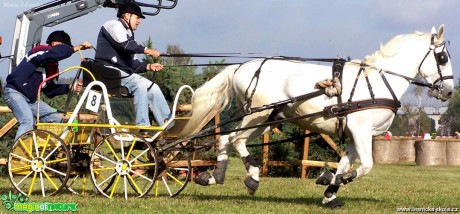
[386,188]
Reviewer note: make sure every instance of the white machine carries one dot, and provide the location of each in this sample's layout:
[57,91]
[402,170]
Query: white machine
[29,25]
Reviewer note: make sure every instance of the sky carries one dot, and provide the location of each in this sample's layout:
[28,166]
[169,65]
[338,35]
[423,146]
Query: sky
[300,28]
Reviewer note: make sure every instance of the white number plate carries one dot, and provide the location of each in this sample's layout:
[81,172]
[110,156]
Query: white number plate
[93,101]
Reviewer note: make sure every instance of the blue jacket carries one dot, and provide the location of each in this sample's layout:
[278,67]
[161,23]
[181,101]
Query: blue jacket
[116,46]
[40,63]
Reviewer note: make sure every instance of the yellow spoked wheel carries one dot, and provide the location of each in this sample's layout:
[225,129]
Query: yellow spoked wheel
[38,163]
[123,164]
[174,172]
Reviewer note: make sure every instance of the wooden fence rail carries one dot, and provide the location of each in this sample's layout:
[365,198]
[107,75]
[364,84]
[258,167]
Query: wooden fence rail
[9,124]
[304,163]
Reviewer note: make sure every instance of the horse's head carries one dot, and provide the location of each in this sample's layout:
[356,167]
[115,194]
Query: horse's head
[436,67]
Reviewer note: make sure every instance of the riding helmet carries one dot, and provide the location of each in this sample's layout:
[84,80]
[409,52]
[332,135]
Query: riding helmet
[59,36]
[130,8]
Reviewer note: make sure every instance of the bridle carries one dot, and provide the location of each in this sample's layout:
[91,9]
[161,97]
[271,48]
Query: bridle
[441,59]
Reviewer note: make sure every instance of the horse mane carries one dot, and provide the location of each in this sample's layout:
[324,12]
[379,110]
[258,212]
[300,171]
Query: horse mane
[392,47]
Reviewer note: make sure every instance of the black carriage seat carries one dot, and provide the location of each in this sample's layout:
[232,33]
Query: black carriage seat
[110,77]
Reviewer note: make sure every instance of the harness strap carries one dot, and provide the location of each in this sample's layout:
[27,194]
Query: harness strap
[444,78]
[369,86]
[337,71]
[247,105]
[329,111]
[287,101]
[354,84]
[342,109]
[387,84]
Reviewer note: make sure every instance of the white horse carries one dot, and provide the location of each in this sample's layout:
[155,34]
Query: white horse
[399,62]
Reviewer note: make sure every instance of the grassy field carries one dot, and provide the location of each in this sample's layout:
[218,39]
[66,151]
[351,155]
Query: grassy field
[385,189]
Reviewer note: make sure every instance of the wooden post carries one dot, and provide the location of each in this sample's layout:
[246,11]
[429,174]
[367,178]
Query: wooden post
[306,144]
[217,121]
[3,161]
[5,109]
[265,155]
[193,168]
[332,144]
[8,126]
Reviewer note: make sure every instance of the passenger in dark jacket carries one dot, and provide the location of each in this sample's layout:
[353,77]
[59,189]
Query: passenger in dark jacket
[23,83]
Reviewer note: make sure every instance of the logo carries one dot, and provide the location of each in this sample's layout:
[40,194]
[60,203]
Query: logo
[56,14]
[20,203]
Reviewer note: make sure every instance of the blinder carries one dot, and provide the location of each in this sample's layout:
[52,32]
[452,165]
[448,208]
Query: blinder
[442,58]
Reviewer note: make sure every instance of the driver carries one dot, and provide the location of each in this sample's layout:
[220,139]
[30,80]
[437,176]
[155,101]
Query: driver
[23,83]
[117,49]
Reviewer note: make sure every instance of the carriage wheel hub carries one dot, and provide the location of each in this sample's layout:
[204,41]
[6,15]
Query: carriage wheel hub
[38,165]
[123,167]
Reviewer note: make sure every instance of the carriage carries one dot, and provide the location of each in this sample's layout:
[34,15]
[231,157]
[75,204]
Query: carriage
[93,144]
[357,99]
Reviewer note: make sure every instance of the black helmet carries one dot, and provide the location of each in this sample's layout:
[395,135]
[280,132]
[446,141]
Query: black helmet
[130,8]
[59,36]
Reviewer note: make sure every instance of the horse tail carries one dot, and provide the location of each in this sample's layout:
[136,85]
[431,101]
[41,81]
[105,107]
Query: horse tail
[210,99]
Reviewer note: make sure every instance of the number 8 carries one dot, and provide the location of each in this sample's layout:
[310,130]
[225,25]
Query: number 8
[93,101]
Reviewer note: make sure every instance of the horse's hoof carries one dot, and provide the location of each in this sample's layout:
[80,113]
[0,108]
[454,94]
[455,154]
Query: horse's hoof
[219,172]
[325,178]
[251,185]
[335,203]
[203,178]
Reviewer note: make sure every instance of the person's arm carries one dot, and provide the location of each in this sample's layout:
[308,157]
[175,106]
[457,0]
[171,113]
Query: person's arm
[52,89]
[154,67]
[152,52]
[55,54]
[141,67]
[83,46]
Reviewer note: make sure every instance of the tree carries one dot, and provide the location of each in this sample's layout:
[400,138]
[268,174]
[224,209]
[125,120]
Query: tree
[211,70]
[176,61]
[411,122]
[175,74]
[418,90]
[449,119]
[178,71]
